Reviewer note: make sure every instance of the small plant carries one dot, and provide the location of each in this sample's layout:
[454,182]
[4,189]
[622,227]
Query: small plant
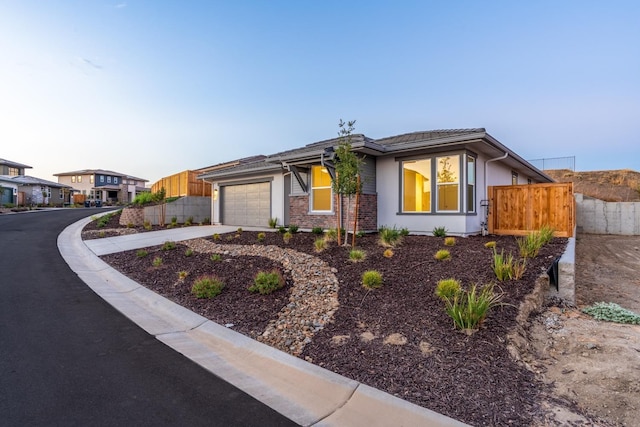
[147,225]
[404,231]
[448,288]
[356,255]
[157,261]
[612,312]
[360,234]
[216,257]
[267,282]
[229,237]
[182,275]
[372,279]
[261,236]
[188,252]
[282,229]
[206,220]
[317,230]
[439,231]
[141,253]
[529,246]
[102,234]
[320,244]
[174,220]
[388,253]
[502,266]
[188,221]
[468,309]
[207,287]
[442,255]
[216,236]
[519,267]
[273,222]
[293,228]
[389,237]
[490,245]
[449,241]
[286,237]
[129,224]
[331,235]
[545,234]
[239,230]
[168,245]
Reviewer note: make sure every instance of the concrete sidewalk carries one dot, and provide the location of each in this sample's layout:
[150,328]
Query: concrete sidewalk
[303,392]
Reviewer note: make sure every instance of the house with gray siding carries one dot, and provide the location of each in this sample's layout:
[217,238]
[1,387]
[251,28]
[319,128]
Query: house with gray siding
[419,181]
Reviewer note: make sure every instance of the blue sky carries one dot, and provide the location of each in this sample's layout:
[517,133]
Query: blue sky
[151,88]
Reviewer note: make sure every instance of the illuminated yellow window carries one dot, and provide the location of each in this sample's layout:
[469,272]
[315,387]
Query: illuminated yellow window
[321,193]
[416,186]
[448,181]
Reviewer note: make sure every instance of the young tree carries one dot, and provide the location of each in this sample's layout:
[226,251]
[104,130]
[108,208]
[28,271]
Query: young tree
[347,168]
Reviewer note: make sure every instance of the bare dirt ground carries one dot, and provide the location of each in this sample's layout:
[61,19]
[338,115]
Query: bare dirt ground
[592,363]
[622,185]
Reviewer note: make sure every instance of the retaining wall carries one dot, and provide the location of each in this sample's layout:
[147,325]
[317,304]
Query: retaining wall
[599,217]
[199,208]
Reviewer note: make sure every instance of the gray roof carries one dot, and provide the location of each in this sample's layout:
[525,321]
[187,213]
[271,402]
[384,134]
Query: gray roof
[14,164]
[31,180]
[99,171]
[257,164]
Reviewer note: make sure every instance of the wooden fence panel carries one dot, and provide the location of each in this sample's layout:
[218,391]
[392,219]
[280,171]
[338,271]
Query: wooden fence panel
[521,209]
[183,184]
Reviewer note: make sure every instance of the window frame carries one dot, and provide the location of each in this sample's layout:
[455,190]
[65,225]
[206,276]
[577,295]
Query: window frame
[403,186]
[451,183]
[313,188]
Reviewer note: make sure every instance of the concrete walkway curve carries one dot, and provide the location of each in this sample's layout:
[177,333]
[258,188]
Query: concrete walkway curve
[301,391]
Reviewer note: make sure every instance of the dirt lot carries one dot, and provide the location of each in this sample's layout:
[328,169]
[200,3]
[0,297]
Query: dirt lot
[592,363]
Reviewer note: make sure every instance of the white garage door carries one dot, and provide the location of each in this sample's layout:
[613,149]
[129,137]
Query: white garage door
[246,204]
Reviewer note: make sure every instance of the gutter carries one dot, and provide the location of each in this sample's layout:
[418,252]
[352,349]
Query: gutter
[486,216]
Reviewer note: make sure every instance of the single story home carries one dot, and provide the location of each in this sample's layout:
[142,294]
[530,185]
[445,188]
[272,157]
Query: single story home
[418,181]
[30,191]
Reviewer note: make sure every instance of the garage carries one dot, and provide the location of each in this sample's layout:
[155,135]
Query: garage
[246,204]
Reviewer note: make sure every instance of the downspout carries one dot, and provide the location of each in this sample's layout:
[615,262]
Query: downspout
[486,214]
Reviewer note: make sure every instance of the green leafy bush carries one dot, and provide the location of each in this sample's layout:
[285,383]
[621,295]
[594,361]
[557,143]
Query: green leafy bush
[207,287]
[442,255]
[372,279]
[404,231]
[174,220]
[267,282]
[317,230]
[216,257]
[389,237]
[157,261]
[612,312]
[448,288]
[293,228]
[282,229]
[141,253]
[439,231]
[356,255]
[168,245]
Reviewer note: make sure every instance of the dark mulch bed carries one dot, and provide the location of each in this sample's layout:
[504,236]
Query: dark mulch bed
[471,378]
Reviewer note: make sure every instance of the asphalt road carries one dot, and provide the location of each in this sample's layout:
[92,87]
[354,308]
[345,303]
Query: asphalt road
[68,358]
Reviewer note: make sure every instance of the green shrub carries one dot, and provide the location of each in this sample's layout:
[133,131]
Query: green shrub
[207,287]
[439,231]
[239,230]
[261,236]
[360,234]
[157,261]
[317,230]
[612,312]
[273,222]
[449,241]
[448,288]
[188,221]
[188,252]
[174,220]
[293,228]
[282,229]
[102,234]
[404,231]
[147,225]
[216,236]
[320,244]
[389,237]
[356,255]
[141,253]
[267,282]
[168,245]
[216,257]
[372,279]
[468,309]
[442,254]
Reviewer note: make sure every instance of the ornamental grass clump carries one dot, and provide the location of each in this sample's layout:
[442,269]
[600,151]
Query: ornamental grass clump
[388,253]
[261,237]
[267,282]
[207,287]
[449,241]
[286,237]
[439,232]
[490,245]
[372,279]
[612,312]
[529,245]
[357,255]
[320,244]
[141,253]
[157,261]
[188,252]
[389,237]
[448,288]
[502,266]
[216,257]
[168,245]
[468,308]
[442,255]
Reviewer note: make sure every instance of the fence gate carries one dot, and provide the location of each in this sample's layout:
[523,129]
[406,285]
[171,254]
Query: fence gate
[521,209]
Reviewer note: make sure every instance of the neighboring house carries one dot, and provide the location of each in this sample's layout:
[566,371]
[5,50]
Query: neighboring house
[104,185]
[31,191]
[9,189]
[419,180]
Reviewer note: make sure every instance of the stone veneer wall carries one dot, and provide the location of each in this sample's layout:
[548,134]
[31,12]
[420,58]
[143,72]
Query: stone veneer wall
[133,216]
[367,213]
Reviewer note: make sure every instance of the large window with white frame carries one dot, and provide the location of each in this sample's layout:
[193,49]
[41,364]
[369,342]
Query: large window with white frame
[321,192]
[440,184]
